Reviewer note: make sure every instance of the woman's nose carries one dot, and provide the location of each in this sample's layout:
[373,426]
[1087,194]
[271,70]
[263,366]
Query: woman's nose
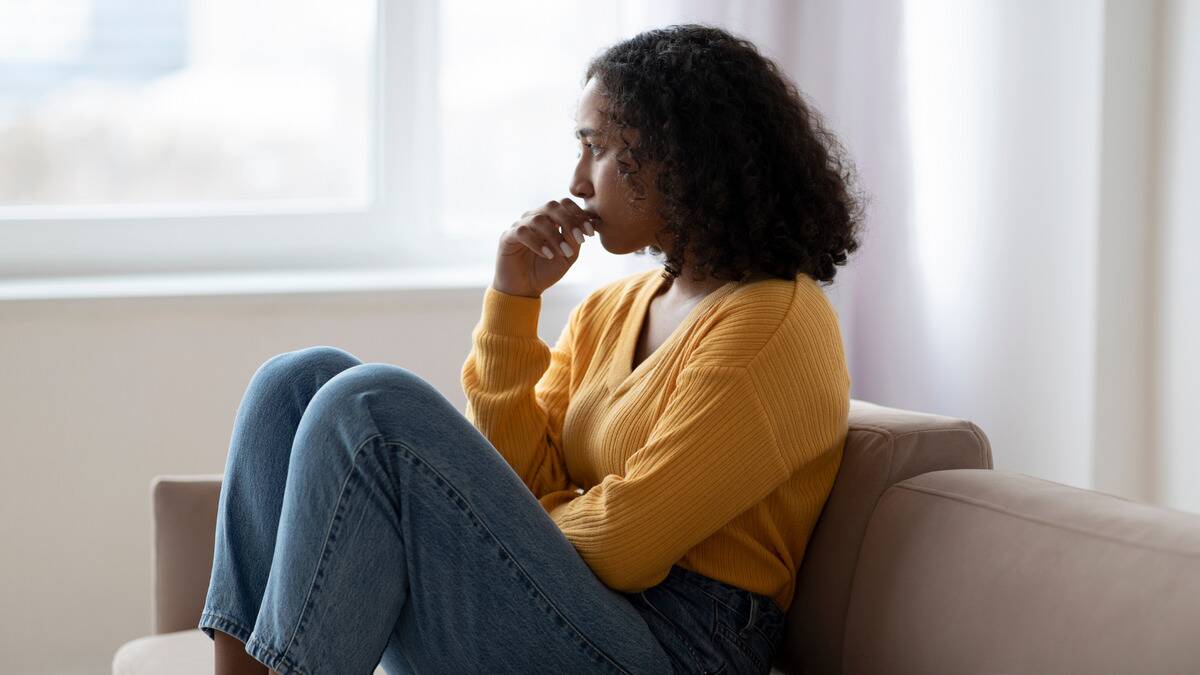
[581,188]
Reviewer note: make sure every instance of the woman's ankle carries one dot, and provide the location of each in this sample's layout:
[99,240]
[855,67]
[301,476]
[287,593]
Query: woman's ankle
[231,657]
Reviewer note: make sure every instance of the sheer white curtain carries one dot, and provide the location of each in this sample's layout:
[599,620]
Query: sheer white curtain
[1025,261]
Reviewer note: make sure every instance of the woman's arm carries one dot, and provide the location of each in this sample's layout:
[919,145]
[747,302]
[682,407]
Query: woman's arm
[518,389]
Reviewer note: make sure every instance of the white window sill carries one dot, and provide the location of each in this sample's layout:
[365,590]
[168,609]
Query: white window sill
[226,284]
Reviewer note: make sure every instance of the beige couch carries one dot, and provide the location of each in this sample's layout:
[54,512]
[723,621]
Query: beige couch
[924,561]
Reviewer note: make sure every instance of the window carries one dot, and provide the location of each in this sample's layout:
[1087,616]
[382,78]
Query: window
[117,102]
[193,135]
[207,135]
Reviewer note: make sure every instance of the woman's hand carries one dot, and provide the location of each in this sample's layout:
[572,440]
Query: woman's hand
[540,247]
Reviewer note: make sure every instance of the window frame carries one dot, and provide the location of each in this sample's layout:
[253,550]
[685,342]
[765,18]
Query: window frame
[393,230]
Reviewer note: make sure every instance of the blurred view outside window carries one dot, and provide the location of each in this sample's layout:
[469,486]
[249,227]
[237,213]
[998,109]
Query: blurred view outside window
[200,101]
[510,79]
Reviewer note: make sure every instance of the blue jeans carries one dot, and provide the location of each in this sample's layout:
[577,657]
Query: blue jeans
[364,521]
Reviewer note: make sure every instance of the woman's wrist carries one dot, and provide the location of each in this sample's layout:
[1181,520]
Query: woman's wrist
[513,290]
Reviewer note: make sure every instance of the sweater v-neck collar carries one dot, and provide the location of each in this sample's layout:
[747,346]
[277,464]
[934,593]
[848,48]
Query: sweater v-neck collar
[621,372]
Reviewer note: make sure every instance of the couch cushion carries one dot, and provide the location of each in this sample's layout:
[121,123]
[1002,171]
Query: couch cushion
[884,446]
[186,652]
[999,572]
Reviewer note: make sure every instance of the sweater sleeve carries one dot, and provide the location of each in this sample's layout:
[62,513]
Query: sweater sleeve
[711,455]
[517,389]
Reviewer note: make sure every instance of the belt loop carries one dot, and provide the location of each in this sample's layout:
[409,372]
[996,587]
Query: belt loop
[753,612]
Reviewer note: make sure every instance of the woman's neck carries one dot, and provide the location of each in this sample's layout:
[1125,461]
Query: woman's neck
[684,288]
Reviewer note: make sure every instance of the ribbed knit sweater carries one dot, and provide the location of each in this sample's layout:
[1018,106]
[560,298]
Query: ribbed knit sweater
[716,453]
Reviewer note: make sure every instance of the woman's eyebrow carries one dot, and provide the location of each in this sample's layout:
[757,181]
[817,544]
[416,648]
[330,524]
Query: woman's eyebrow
[585,132]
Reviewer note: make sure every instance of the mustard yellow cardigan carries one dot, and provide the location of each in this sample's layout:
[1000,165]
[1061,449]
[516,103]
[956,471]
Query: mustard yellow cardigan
[716,453]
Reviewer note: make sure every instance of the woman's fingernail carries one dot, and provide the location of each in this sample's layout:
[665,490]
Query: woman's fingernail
[566,248]
[547,252]
[590,230]
[578,235]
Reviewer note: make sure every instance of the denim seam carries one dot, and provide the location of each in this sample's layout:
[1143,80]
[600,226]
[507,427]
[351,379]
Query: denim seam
[710,594]
[705,591]
[678,633]
[325,550]
[579,635]
[753,614]
[225,622]
[272,659]
[726,633]
[720,602]
[716,619]
[763,633]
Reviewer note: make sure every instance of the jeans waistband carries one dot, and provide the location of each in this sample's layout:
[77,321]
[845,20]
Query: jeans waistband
[737,598]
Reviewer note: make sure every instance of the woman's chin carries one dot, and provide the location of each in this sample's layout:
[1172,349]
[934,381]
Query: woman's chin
[605,242]
[615,247]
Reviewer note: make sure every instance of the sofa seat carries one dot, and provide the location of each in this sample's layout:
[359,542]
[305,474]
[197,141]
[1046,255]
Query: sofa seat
[185,652]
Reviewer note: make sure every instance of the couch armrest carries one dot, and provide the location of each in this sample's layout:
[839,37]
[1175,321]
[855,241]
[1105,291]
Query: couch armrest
[883,446]
[184,523]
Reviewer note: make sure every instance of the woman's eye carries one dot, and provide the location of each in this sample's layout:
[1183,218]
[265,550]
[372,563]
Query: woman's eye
[593,149]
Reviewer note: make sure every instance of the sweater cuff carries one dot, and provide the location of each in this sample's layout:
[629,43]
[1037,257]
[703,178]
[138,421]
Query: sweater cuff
[557,499]
[506,314]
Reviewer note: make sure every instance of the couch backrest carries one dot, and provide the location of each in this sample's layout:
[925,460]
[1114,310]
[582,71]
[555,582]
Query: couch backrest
[999,572]
[884,446]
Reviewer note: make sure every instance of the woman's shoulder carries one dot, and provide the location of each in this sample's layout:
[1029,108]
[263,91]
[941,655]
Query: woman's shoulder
[783,299]
[769,321]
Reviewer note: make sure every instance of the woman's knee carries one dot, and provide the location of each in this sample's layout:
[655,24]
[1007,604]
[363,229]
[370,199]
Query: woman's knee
[377,377]
[390,387]
[387,400]
[315,365]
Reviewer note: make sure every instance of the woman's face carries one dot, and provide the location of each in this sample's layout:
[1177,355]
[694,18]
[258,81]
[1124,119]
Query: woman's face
[627,224]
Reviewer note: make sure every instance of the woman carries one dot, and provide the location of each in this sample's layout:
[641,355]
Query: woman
[636,499]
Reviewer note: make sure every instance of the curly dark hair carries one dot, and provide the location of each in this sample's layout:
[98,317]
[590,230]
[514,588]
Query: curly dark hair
[752,182]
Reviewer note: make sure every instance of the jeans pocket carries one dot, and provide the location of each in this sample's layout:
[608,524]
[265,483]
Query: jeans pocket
[680,624]
[749,638]
[768,619]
